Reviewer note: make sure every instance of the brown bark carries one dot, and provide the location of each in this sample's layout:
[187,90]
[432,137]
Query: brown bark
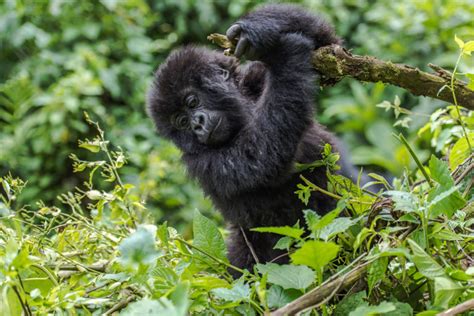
[335,62]
[321,293]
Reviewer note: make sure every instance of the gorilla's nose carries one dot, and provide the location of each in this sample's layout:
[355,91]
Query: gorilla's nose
[199,122]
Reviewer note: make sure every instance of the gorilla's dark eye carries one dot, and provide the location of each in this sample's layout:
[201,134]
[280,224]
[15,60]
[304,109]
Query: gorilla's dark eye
[224,73]
[192,101]
[181,121]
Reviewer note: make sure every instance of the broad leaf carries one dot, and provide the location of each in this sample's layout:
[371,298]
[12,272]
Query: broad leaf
[425,263]
[382,308]
[315,254]
[287,276]
[446,290]
[278,297]
[208,238]
[238,292]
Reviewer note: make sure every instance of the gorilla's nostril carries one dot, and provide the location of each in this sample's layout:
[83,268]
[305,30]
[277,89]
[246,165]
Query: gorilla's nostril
[201,119]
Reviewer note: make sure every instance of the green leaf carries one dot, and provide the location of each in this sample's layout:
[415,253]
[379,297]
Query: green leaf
[92,146]
[460,151]
[138,248]
[284,230]
[278,297]
[338,225]
[440,172]
[459,41]
[311,217]
[382,308]
[445,202]
[180,299]
[208,238]
[350,303]
[376,272]
[287,276]
[468,48]
[401,309]
[328,218]
[315,254]
[239,292]
[446,290]
[151,307]
[283,243]
[425,264]
[404,201]
[208,282]
[470,85]
[428,313]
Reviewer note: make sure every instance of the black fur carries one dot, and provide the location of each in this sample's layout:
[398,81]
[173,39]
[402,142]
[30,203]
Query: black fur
[266,112]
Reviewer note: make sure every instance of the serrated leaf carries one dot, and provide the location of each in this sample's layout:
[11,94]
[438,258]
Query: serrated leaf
[287,276]
[283,230]
[278,297]
[404,201]
[440,172]
[445,202]
[425,264]
[337,226]
[239,292]
[350,303]
[208,238]
[315,254]
[376,272]
[311,217]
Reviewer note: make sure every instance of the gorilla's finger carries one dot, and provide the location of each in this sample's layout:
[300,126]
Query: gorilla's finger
[233,32]
[241,47]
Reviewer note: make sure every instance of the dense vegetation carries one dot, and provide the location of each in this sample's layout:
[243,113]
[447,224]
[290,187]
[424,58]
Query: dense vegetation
[94,222]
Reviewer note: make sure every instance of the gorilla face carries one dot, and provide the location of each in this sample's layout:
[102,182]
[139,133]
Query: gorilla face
[196,100]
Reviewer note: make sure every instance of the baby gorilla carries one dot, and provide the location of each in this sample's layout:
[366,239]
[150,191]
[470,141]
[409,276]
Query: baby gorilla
[242,128]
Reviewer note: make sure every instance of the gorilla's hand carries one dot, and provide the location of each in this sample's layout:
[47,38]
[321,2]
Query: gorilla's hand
[253,39]
[264,30]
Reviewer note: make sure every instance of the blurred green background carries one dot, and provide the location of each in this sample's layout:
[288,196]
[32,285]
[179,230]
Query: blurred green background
[60,58]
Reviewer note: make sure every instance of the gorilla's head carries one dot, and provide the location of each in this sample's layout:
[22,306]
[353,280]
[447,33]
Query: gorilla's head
[197,99]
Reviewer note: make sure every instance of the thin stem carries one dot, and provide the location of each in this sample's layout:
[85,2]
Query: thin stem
[228,265]
[404,141]
[24,304]
[314,187]
[461,121]
[46,271]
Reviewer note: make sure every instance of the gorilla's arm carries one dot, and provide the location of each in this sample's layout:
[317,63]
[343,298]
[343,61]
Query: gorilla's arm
[282,37]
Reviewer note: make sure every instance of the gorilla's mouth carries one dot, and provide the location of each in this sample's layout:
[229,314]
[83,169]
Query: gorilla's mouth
[209,139]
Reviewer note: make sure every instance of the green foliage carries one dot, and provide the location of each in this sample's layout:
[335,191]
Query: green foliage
[60,259]
[82,238]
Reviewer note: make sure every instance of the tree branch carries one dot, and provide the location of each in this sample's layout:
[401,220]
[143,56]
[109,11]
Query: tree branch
[335,62]
[458,309]
[321,293]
